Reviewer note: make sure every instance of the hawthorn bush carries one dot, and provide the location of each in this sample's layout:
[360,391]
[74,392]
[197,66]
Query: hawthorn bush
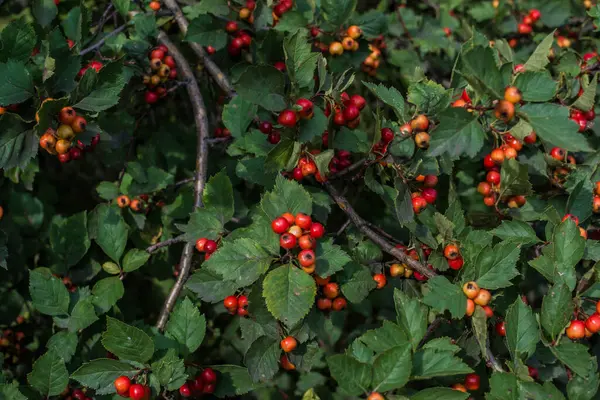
[332,199]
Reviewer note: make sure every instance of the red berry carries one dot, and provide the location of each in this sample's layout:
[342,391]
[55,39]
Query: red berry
[456,264]
[209,388]
[78,394]
[533,372]
[339,119]
[64,158]
[339,304]
[303,221]
[501,328]
[75,153]
[231,27]
[151,97]
[307,108]
[387,135]
[122,385]
[331,290]
[280,65]
[287,118]
[380,279]
[535,14]
[472,382]
[274,137]
[288,344]
[524,29]
[137,392]
[488,163]
[418,204]
[157,53]
[576,330]
[493,177]
[557,153]
[209,375]
[306,258]
[593,323]
[351,112]
[429,194]
[297,174]
[317,230]
[185,390]
[324,304]
[287,241]
[280,225]
[210,246]
[230,302]
[589,115]
[265,127]
[358,101]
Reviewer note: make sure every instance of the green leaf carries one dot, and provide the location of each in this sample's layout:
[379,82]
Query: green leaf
[356,282]
[170,370]
[285,153]
[478,67]
[218,195]
[439,393]
[479,324]
[503,384]
[300,61]
[352,376]
[518,232]
[64,343]
[579,203]
[82,315]
[237,115]
[11,391]
[586,101]
[107,292]
[127,342]
[49,375]
[495,268]
[573,355]
[330,258]
[429,363]
[391,369]
[187,326]
[522,333]
[337,12]
[16,85]
[354,140]
[557,309]
[262,359]
[18,40]
[458,133]
[291,22]
[382,339]
[69,238]
[44,11]
[443,295]
[536,86]
[207,31]
[107,190]
[111,235]
[262,85]
[100,374]
[18,144]
[134,259]
[145,26]
[552,124]
[202,223]
[122,6]
[514,179]
[210,287]
[411,314]
[585,387]
[322,161]
[215,7]
[233,380]
[242,261]
[539,59]
[48,294]
[390,96]
[429,97]
[314,127]
[111,81]
[289,293]
[569,248]
[286,196]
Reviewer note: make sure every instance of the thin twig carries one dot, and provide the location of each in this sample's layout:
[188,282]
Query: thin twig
[361,224]
[343,227]
[491,359]
[165,243]
[100,43]
[201,121]
[210,66]
[357,165]
[430,329]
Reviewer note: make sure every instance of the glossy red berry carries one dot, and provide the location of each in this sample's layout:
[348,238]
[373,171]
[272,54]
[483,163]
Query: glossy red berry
[557,153]
[209,375]
[387,135]
[317,230]
[303,221]
[307,108]
[456,264]
[287,241]
[231,26]
[418,204]
[501,328]
[280,225]
[593,323]
[535,14]
[429,194]
[230,302]
[150,97]
[331,290]
[185,390]
[274,137]
[380,279]
[137,392]
[287,118]
[472,382]
[493,177]
[306,258]
[210,246]
[576,330]
[265,127]
[351,112]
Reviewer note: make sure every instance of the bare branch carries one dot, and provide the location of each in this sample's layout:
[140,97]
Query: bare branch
[164,243]
[201,120]
[210,66]
[361,224]
[100,43]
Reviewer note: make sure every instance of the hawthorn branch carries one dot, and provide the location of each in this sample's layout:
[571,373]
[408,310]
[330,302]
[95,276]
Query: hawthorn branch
[375,237]
[164,243]
[201,120]
[491,359]
[210,66]
[101,42]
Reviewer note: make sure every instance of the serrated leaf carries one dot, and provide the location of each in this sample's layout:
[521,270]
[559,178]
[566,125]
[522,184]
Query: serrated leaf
[429,363]
[352,376]
[573,355]
[391,369]
[314,127]
[579,203]
[237,115]
[403,208]
[478,67]
[111,81]
[479,323]
[18,143]
[522,333]
[539,58]
[514,179]
[282,155]
[411,314]
[552,124]
[202,223]
[388,336]
[49,375]
[286,196]
[170,370]
[122,6]
[69,238]
[48,293]
[330,258]
[443,295]
[569,248]
[11,391]
[218,195]
[262,359]
[429,97]
[458,133]
[300,61]
[135,259]
[107,292]
[289,293]
[207,31]
[44,11]
[262,85]
[242,261]
[210,287]
[557,309]
[356,282]
[439,393]
[187,326]
[215,7]
[338,12]
[18,40]
[495,268]
[107,190]
[517,232]
[585,387]
[233,380]
[586,101]
[390,96]
[101,373]
[64,343]
[354,140]
[536,86]
[127,342]
[111,234]
[82,315]
[322,161]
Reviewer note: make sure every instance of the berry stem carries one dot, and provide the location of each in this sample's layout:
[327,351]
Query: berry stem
[165,243]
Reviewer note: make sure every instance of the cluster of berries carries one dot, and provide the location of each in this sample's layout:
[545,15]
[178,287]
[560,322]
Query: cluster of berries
[372,61]
[380,148]
[288,344]
[280,8]
[74,394]
[505,109]
[595,201]
[60,141]
[589,57]
[299,231]
[348,114]
[305,167]
[204,383]
[583,118]
[463,101]
[162,69]
[330,292]
[582,231]
[471,383]
[14,345]
[477,297]
[403,269]
[340,161]
[579,329]
[95,65]
[288,118]
[349,41]
[418,127]
[525,27]
[427,195]
[123,201]
[236,305]
[560,173]
[206,246]
[245,12]
[222,132]
[69,285]
[240,41]
[453,256]
[135,391]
